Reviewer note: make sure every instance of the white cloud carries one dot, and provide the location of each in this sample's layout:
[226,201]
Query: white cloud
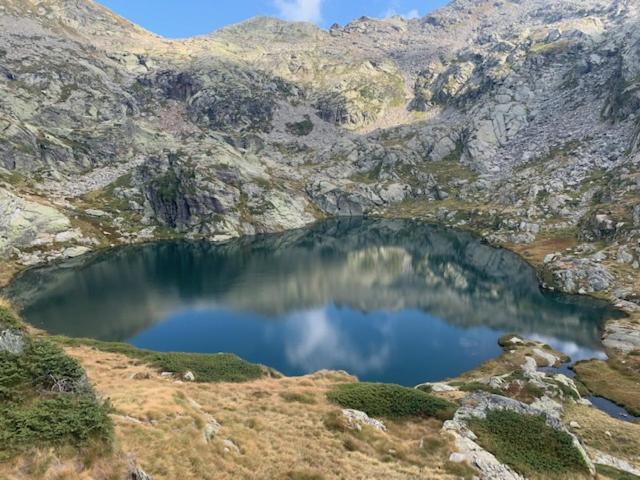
[410,15]
[300,10]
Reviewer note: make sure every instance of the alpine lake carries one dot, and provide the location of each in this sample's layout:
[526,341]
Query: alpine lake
[388,301]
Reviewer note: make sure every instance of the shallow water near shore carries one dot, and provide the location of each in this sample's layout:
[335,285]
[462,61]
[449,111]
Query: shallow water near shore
[391,301]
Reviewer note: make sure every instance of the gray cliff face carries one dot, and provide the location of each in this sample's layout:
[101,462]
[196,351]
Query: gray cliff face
[524,112]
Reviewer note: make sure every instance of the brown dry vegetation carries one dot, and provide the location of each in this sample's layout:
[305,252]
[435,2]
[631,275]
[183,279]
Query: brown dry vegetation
[7,271]
[622,439]
[283,428]
[604,380]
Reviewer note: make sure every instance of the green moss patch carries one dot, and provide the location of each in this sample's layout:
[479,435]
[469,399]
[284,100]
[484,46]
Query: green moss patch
[302,128]
[220,367]
[394,401]
[528,445]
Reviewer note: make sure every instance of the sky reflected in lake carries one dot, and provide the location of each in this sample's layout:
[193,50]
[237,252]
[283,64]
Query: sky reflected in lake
[393,301]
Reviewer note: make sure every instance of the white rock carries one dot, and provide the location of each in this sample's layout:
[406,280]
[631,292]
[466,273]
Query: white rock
[457,457]
[356,418]
[73,252]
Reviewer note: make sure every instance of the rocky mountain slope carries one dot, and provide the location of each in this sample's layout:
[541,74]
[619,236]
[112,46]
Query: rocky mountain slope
[515,119]
[523,111]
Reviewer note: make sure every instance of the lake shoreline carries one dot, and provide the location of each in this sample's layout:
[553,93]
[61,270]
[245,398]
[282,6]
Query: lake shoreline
[535,261]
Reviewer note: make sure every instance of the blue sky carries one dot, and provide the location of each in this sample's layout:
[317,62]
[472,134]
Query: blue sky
[185,18]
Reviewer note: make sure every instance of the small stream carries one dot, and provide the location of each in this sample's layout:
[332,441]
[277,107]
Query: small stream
[607,406]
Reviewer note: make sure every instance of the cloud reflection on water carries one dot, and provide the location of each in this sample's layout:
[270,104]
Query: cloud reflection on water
[318,341]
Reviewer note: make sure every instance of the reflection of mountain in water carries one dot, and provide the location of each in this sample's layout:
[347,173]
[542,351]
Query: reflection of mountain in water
[365,264]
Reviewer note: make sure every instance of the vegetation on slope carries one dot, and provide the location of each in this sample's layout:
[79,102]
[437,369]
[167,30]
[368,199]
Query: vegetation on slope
[605,380]
[394,401]
[529,445]
[219,367]
[45,399]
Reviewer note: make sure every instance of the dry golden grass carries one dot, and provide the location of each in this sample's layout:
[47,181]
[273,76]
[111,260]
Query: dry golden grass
[535,252]
[71,465]
[283,428]
[5,304]
[606,381]
[622,441]
[7,272]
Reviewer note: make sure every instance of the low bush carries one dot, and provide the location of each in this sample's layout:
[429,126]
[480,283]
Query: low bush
[219,367]
[52,420]
[528,445]
[45,399]
[8,319]
[394,401]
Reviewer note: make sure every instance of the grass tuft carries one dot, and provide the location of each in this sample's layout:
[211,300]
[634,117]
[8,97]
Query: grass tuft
[393,401]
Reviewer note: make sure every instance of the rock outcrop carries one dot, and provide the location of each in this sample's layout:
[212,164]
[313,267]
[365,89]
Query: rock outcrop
[514,119]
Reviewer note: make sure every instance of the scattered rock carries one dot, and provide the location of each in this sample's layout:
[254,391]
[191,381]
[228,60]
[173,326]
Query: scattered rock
[11,342]
[138,474]
[356,418]
[73,252]
[211,429]
[601,458]
[230,446]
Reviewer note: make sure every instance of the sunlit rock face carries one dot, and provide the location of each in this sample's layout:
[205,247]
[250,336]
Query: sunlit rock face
[350,294]
[268,125]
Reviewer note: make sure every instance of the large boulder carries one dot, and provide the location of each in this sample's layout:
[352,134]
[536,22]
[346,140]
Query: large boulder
[25,223]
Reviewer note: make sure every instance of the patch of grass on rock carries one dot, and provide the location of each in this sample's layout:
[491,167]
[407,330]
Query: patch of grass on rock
[528,445]
[393,401]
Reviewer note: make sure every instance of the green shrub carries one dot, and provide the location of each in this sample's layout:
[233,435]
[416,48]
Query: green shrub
[45,401]
[302,128]
[48,364]
[43,366]
[394,401]
[220,367]
[528,445]
[9,320]
[55,420]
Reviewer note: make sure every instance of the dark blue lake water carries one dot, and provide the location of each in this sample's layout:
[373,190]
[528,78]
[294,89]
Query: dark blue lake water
[392,301]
